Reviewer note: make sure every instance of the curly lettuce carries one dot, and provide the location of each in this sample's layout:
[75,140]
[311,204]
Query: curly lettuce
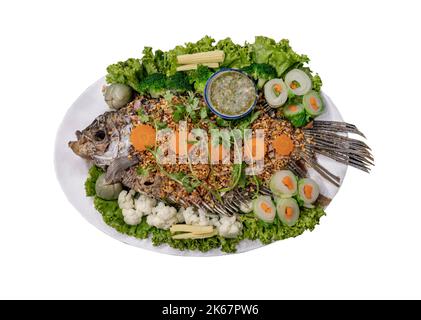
[236,56]
[253,228]
[278,54]
[93,175]
[129,72]
[264,52]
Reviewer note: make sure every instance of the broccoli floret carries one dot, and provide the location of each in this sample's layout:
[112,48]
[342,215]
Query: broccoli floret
[155,85]
[261,72]
[199,77]
[178,83]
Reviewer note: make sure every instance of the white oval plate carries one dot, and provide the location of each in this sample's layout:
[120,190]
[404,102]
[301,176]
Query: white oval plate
[72,170]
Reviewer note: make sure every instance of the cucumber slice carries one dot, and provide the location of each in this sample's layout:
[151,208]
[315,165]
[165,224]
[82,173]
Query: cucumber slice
[308,191]
[313,104]
[283,184]
[276,92]
[264,208]
[298,82]
[288,211]
[292,110]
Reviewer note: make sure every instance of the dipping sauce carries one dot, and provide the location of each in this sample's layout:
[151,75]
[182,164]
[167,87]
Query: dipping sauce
[231,93]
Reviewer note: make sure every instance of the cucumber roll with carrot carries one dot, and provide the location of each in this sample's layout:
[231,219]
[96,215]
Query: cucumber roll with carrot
[313,104]
[308,191]
[296,114]
[276,92]
[298,82]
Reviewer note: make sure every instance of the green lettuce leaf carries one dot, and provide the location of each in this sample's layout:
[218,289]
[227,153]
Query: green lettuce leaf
[93,174]
[148,61]
[315,79]
[236,56]
[129,72]
[203,45]
[256,229]
[279,55]
[253,228]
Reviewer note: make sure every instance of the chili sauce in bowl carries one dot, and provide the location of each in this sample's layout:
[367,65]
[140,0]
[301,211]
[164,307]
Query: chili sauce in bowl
[230,94]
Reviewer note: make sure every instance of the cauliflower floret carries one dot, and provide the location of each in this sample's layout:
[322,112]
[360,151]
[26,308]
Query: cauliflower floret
[203,218]
[125,199]
[162,216]
[193,217]
[190,216]
[229,227]
[180,215]
[131,216]
[144,204]
[126,203]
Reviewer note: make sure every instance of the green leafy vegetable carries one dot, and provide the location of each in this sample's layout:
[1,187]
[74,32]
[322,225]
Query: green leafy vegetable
[253,228]
[236,56]
[148,61]
[168,97]
[143,117]
[199,77]
[128,72]
[178,83]
[179,113]
[203,45]
[203,113]
[222,122]
[247,121]
[263,60]
[93,175]
[299,120]
[262,72]
[316,80]
[160,125]
[158,84]
[279,55]
[143,171]
[154,84]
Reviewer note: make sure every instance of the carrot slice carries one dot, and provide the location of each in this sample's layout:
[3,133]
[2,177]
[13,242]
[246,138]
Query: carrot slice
[143,136]
[289,212]
[277,88]
[313,103]
[265,207]
[308,191]
[293,108]
[283,145]
[288,182]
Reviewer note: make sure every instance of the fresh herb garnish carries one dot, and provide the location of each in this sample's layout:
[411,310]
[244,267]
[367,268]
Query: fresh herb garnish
[160,125]
[188,181]
[143,171]
[143,117]
[179,113]
[203,113]
[222,122]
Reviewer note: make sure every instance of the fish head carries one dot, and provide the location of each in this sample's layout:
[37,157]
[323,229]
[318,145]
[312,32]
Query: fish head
[93,140]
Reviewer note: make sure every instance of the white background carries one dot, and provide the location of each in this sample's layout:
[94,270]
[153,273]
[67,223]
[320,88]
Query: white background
[368,246]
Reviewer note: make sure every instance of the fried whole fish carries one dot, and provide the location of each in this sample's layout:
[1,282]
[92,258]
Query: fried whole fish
[106,142]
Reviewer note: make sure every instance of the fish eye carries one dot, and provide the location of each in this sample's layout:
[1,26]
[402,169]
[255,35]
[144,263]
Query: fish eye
[99,135]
